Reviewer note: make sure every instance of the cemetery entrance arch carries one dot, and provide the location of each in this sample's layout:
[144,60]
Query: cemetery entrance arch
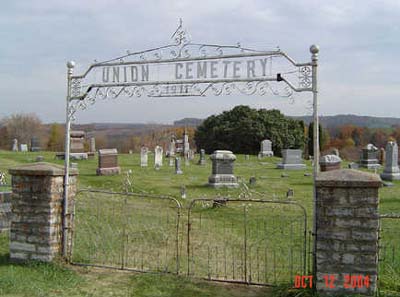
[185,69]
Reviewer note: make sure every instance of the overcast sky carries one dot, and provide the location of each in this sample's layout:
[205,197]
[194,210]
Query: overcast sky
[359,52]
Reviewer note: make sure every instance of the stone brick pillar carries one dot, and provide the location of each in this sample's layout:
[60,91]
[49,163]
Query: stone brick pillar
[347,232]
[37,206]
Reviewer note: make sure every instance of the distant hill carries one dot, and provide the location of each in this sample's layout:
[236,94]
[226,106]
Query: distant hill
[189,122]
[361,121]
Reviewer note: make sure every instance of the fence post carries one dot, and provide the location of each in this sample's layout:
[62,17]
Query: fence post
[347,224]
[37,202]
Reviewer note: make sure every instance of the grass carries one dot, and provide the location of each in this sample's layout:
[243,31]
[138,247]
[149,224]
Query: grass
[60,280]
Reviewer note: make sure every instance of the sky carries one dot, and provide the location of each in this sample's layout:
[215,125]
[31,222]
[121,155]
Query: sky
[358,60]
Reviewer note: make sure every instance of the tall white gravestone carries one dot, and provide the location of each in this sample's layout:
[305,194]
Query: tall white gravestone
[158,156]
[15,145]
[171,154]
[391,170]
[143,156]
[266,148]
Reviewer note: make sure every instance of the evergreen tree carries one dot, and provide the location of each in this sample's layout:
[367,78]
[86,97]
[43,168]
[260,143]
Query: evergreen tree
[243,128]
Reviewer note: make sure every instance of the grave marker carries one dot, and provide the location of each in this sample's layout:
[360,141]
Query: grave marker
[291,160]
[108,162]
[266,148]
[222,170]
[391,170]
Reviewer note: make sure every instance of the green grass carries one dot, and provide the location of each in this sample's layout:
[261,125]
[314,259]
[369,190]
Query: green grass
[56,279]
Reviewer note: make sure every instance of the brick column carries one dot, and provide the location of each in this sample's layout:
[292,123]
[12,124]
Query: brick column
[347,232]
[37,203]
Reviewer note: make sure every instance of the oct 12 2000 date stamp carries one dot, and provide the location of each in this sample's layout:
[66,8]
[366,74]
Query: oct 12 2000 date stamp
[331,281]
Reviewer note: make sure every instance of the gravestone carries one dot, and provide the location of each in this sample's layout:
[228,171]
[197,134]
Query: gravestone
[39,159]
[23,147]
[252,180]
[369,157]
[171,152]
[183,192]
[172,147]
[187,158]
[92,144]
[144,156]
[108,162]
[178,169]
[15,145]
[186,146]
[353,165]
[222,170]
[290,193]
[35,144]
[391,170]
[158,156]
[330,162]
[247,157]
[77,149]
[291,160]
[335,152]
[266,148]
[202,160]
[382,155]
[77,141]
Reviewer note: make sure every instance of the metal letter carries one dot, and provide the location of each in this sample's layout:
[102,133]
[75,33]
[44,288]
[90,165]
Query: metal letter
[214,69]
[106,74]
[116,74]
[145,72]
[250,69]
[236,69]
[264,66]
[125,76]
[226,63]
[178,65]
[189,69]
[201,70]
[134,73]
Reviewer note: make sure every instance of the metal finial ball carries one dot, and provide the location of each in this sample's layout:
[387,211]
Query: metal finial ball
[70,64]
[314,49]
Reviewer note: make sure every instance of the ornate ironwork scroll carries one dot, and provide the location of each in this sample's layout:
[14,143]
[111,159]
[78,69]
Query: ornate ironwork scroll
[184,69]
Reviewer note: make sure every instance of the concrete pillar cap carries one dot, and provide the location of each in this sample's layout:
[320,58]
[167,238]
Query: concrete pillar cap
[345,178]
[41,168]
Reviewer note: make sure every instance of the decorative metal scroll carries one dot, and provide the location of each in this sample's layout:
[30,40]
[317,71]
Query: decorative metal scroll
[185,69]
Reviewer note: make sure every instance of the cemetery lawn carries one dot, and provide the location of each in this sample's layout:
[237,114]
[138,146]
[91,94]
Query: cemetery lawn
[62,280]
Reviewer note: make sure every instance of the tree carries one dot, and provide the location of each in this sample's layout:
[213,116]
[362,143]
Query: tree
[56,139]
[22,126]
[357,135]
[242,129]
[323,137]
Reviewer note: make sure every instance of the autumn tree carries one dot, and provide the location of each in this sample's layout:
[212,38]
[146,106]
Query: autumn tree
[56,138]
[22,126]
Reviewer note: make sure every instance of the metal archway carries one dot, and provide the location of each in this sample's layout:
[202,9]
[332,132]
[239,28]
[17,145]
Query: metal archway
[182,69]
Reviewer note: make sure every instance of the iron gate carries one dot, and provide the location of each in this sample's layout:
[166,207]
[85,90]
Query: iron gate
[246,241]
[126,231]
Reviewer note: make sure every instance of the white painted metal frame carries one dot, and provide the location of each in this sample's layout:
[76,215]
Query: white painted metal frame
[80,95]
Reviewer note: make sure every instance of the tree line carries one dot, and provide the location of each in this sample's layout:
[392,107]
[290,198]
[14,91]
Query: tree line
[240,130]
